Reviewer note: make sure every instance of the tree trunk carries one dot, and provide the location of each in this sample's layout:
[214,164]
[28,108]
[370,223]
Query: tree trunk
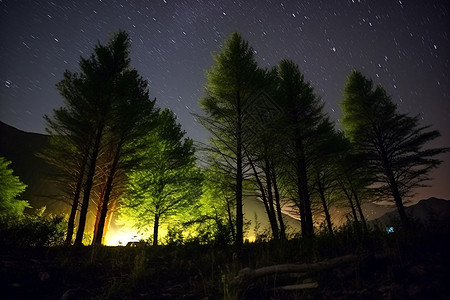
[350,201]
[273,224]
[399,202]
[308,230]
[361,214]
[352,206]
[306,201]
[251,275]
[272,216]
[301,206]
[302,186]
[239,178]
[76,200]
[278,205]
[269,207]
[88,187]
[109,187]
[155,230]
[230,220]
[395,192]
[99,208]
[401,209]
[109,218]
[326,211]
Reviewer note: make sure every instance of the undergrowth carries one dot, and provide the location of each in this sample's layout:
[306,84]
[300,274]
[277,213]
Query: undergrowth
[199,271]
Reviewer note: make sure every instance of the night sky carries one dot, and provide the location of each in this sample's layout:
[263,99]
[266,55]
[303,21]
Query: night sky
[403,45]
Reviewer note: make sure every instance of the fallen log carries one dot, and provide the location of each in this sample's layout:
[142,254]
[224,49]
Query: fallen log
[301,286]
[248,274]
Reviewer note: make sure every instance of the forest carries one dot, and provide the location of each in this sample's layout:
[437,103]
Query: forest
[120,157]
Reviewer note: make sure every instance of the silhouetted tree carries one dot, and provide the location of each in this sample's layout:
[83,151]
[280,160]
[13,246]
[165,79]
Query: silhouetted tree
[263,149]
[329,147]
[303,123]
[232,84]
[393,144]
[70,143]
[353,179]
[219,187]
[132,116]
[106,104]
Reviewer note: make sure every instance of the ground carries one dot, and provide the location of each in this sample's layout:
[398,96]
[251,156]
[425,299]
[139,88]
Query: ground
[385,266]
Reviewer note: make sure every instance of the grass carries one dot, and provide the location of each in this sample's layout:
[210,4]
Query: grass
[397,265]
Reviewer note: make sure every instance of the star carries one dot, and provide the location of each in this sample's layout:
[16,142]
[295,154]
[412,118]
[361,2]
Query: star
[403,46]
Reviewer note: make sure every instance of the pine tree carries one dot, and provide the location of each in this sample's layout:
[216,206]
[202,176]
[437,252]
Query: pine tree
[106,106]
[166,179]
[303,124]
[132,116]
[393,144]
[232,84]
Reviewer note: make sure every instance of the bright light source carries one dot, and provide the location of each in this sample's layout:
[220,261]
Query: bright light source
[121,237]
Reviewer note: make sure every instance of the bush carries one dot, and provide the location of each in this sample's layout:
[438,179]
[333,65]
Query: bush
[34,230]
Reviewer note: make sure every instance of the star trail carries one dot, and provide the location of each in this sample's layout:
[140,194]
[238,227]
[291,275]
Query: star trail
[402,45]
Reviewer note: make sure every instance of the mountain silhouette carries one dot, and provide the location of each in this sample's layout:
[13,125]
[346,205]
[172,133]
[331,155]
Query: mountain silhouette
[428,211]
[21,148]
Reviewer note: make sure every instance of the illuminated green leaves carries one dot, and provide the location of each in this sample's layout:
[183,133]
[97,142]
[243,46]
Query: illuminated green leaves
[10,188]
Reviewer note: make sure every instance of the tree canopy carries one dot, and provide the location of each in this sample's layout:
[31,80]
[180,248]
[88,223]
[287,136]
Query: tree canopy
[232,83]
[271,139]
[10,188]
[107,106]
[393,143]
[166,179]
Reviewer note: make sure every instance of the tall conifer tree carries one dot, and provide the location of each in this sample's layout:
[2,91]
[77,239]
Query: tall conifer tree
[106,104]
[304,123]
[232,84]
[393,144]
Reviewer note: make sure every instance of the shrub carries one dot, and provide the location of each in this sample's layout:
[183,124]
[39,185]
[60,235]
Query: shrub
[33,230]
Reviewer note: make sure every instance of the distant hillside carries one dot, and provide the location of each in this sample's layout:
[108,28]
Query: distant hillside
[20,148]
[432,210]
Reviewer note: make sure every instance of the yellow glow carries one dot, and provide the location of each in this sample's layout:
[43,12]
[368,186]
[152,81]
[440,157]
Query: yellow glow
[250,238]
[121,237]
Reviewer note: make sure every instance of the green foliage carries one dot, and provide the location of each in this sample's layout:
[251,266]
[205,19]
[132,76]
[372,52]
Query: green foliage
[218,202]
[107,107]
[233,82]
[10,188]
[166,181]
[37,229]
[304,127]
[393,144]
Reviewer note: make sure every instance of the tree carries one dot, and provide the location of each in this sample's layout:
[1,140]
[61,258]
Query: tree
[303,123]
[70,142]
[232,84]
[354,179]
[132,114]
[262,152]
[329,147]
[393,144]
[219,189]
[166,180]
[106,106]
[10,188]
[101,73]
